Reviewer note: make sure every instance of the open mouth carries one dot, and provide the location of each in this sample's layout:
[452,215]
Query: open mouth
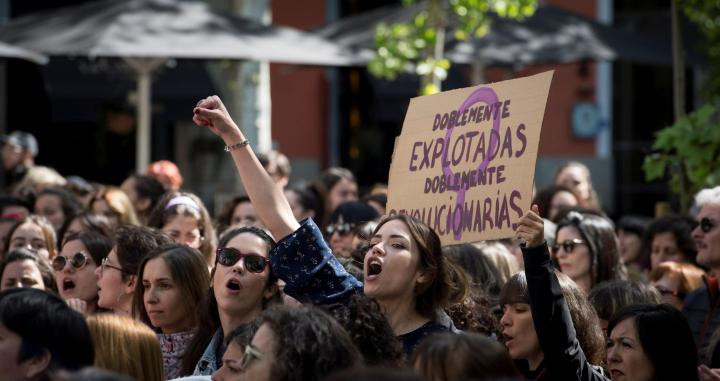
[374,267]
[233,285]
[68,285]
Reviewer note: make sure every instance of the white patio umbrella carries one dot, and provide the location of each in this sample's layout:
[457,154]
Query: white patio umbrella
[10,51]
[145,33]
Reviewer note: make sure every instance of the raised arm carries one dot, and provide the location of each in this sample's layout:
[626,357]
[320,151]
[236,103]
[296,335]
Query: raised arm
[564,358]
[269,200]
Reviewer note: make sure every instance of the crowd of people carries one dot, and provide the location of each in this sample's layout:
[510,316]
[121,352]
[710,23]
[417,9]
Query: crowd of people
[314,282]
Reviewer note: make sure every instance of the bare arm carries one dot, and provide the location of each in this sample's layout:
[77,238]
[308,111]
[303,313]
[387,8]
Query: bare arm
[269,200]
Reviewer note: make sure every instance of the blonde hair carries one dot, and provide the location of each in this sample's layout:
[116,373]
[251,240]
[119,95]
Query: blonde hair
[501,257]
[126,346]
[40,177]
[119,203]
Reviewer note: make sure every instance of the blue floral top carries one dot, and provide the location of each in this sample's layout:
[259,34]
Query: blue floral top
[313,275]
[311,272]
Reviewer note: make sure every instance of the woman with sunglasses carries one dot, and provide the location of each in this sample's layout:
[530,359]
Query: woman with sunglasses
[405,271]
[173,280]
[343,221]
[242,286]
[75,269]
[183,217]
[587,249]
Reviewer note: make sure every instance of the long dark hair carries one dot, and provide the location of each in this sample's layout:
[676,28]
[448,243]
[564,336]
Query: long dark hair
[666,339]
[209,318]
[446,286]
[598,233]
[189,273]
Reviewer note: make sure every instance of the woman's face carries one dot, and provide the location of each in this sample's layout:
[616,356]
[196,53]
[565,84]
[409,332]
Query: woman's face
[574,263]
[184,230]
[100,206]
[518,330]
[77,283]
[244,215]
[630,245]
[669,288]
[392,263]
[575,179]
[237,290]
[341,240]
[625,356]
[560,201]
[343,191]
[30,236]
[50,206]
[259,368]
[112,287]
[165,305]
[664,248]
[23,273]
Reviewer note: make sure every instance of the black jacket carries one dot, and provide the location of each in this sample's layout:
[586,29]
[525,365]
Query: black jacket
[563,358]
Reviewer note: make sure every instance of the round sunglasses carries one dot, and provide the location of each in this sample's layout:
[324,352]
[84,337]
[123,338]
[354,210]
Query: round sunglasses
[77,261]
[227,256]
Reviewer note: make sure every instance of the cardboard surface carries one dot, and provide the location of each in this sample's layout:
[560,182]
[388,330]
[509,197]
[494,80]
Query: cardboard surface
[465,159]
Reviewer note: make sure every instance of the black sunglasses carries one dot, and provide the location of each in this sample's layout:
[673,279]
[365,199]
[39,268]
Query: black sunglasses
[342,229]
[77,261]
[227,256]
[568,245]
[707,224]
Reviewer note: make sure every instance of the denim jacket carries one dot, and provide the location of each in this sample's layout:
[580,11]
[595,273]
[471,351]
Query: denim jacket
[209,361]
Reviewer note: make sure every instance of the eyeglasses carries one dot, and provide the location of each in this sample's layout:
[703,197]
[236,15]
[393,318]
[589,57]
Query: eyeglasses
[568,245]
[227,256]
[666,291]
[342,229]
[77,261]
[707,224]
[105,264]
[251,354]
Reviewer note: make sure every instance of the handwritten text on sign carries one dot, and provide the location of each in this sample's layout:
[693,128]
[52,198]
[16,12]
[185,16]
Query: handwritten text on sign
[467,171]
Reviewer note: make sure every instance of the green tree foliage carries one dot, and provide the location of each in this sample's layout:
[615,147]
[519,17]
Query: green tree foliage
[706,15]
[689,151]
[416,46]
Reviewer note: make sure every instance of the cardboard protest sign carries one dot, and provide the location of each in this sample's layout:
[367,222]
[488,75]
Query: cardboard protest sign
[465,160]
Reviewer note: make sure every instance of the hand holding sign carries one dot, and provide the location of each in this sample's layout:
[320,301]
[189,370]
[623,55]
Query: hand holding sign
[467,172]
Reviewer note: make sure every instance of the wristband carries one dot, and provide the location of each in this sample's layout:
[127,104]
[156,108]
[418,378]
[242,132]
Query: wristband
[237,145]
